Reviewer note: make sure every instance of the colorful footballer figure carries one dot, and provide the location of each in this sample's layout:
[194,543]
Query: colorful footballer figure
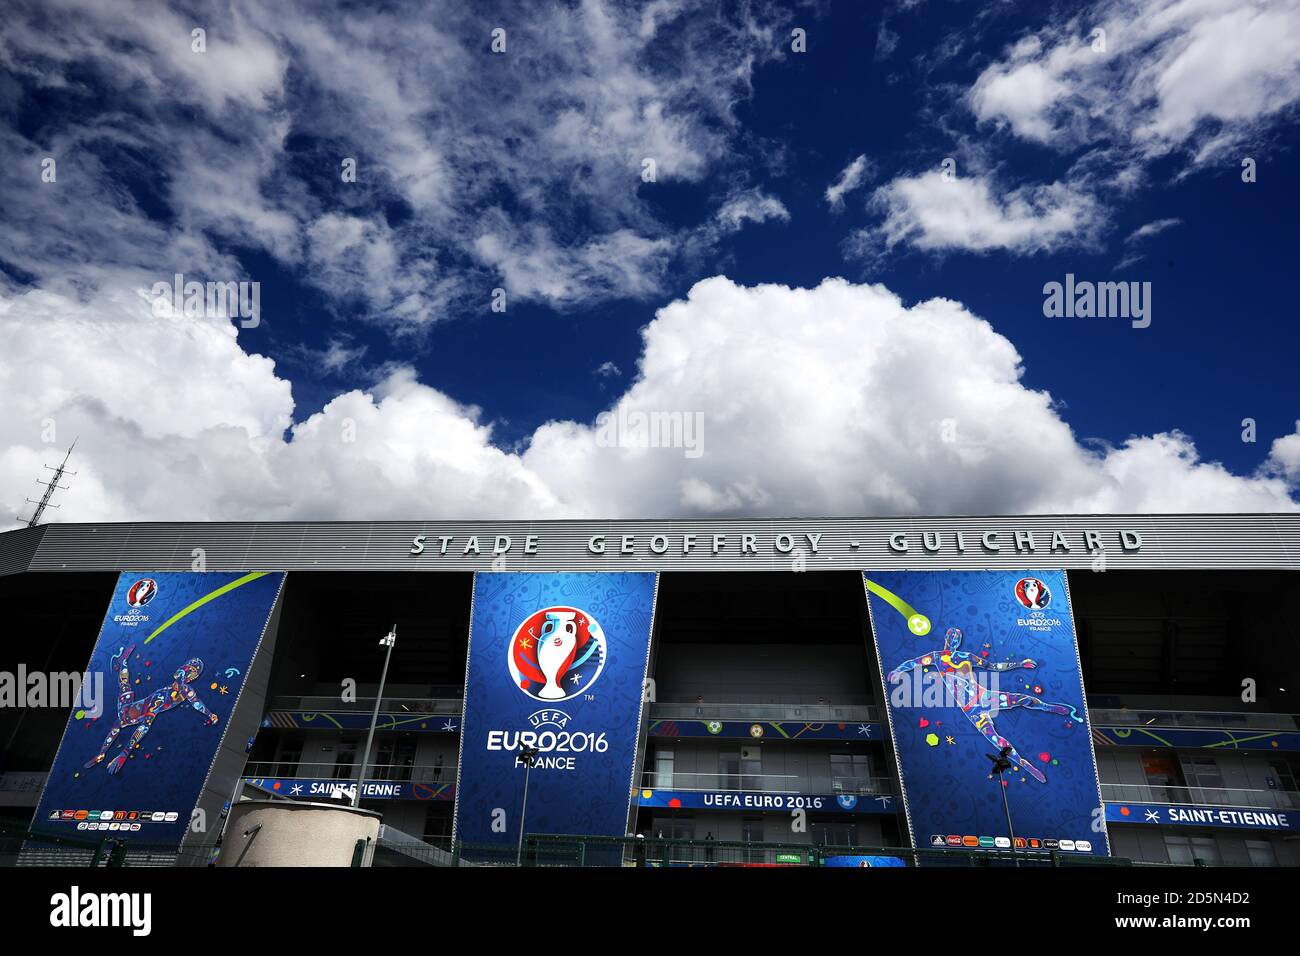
[141,714]
[977,701]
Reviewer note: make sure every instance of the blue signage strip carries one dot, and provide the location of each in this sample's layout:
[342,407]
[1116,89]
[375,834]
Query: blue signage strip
[865,861]
[749,800]
[352,720]
[976,664]
[299,788]
[1183,737]
[766,729]
[557,663]
[1169,814]
[173,653]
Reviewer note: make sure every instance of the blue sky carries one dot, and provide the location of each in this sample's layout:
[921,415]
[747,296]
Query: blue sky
[379,382]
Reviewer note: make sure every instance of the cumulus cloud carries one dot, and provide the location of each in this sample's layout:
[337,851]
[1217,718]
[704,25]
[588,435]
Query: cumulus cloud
[834,400]
[934,212]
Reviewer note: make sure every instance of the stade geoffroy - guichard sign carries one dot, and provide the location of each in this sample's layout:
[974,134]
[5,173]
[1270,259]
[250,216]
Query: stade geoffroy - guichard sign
[1082,542]
[993,541]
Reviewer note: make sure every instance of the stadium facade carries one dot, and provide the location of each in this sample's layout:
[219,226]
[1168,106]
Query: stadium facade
[811,681]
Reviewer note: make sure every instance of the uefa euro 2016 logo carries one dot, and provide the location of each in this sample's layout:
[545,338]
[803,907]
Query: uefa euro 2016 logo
[142,592]
[557,653]
[1033,594]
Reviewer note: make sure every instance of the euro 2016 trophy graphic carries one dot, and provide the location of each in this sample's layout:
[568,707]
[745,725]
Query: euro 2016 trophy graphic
[557,653]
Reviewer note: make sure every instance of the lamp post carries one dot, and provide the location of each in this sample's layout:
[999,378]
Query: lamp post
[388,640]
[527,755]
[1000,765]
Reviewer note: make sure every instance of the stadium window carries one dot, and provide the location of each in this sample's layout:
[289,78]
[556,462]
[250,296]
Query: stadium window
[674,828]
[751,832]
[288,758]
[1187,850]
[1261,853]
[1283,779]
[663,769]
[1206,778]
[850,773]
[345,761]
[437,826]
[729,769]
[835,834]
[751,768]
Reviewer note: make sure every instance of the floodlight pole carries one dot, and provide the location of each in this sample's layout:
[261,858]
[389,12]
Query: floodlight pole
[1000,765]
[388,640]
[526,754]
[1011,833]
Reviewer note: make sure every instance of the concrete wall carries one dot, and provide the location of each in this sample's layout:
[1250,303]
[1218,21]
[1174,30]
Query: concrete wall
[283,833]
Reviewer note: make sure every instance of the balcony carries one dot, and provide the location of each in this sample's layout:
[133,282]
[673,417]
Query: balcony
[1201,796]
[768,783]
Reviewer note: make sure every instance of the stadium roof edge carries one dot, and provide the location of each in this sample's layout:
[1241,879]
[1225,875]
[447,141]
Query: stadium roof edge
[1099,542]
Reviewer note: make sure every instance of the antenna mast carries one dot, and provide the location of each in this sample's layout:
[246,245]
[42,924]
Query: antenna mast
[50,487]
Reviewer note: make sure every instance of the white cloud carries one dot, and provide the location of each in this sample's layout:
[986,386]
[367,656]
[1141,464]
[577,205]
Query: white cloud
[1284,456]
[1150,229]
[1199,75]
[836,400]
[851,177]
[533,264]
[935,213]
[750,206]
[555,131]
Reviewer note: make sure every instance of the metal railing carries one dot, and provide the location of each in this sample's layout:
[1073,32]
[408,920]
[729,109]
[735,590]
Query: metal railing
[25,848]
[1201,796]
[767,782]
[637,851]
[446,704]
[449,700]
[388,772]
[742,710]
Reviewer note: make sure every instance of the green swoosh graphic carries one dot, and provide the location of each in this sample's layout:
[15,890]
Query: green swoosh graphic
[224,589]
[308,718]
[1234,742]
[892,599]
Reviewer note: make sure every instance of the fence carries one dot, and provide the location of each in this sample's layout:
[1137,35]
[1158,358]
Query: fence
[587,851]
[29,848]
[24,848]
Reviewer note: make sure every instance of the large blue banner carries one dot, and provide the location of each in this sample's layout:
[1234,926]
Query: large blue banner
[172,653]
[978,663]
[557,662]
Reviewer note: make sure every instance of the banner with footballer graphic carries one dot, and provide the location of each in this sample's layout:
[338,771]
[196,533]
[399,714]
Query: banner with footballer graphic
[557,662]
[975,662]
[172,653]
